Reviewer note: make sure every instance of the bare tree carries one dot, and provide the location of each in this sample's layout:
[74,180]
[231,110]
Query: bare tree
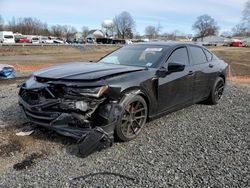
[226,34]
[246,12]
[124,25]
[27,26]
[69,31]
[1,23]
[205,26]
[137,35]
[13,25]
[240,30]
[85,31]
[57,30]
[151,31]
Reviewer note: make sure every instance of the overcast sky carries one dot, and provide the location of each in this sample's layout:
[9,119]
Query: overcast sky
[171,14]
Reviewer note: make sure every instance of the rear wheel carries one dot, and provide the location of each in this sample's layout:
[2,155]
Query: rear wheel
[217,91]
[132,119]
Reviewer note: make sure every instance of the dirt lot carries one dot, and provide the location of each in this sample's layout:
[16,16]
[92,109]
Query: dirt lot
[200,146]
[28,59]
[238,60]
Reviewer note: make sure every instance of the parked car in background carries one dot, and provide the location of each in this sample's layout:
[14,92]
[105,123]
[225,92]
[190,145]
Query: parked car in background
[246,44]
[69,41]
[45,40]
[33,39]
[21,39]
[7,37]
[58,41]
[236,44]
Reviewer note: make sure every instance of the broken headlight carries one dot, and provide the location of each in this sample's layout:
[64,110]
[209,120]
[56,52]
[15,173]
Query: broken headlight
[91,91]
[81,105]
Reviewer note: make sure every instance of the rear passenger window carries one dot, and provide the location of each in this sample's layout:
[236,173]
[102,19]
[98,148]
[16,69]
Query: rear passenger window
[209,55]
[180,55]
[198,56]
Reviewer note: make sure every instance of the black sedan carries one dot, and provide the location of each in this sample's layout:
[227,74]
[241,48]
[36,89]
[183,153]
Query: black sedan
[123,90]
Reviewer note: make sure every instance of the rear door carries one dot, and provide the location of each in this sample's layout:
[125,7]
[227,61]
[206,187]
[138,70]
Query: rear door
[176,88]
[201,70]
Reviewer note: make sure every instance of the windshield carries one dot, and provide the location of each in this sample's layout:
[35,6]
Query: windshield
[136,55]
[8,36]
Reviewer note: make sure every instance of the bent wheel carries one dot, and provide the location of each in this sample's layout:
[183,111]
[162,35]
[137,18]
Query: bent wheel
[132,119]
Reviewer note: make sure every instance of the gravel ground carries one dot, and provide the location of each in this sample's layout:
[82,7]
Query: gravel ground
[200,146]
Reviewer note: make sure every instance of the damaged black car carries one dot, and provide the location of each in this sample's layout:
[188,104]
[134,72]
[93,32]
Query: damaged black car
[115,97]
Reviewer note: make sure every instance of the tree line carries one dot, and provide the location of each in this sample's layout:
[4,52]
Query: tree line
[33,26]
[124,27]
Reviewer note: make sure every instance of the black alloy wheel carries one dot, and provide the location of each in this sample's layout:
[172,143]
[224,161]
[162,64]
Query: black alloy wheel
[132,119]
[217,91]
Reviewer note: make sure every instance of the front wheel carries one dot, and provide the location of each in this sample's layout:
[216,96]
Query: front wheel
[132,118]
[217,91]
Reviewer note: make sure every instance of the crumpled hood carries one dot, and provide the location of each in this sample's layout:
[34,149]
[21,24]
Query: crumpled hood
[84,71]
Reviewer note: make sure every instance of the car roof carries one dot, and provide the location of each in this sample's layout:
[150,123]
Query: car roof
[167,43]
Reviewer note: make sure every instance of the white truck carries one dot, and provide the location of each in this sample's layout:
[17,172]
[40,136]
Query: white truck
[7,37]
[45,40]
[33,39]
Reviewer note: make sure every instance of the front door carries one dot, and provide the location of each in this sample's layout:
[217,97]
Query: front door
[176,88]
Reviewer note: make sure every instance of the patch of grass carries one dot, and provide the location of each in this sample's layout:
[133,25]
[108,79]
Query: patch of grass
[238,59]
[31,58]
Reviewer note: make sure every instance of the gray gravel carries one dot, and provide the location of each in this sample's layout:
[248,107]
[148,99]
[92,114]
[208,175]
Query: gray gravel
[200,146]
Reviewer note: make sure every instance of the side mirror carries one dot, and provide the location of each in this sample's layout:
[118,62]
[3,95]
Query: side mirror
[162,72]
[175,67]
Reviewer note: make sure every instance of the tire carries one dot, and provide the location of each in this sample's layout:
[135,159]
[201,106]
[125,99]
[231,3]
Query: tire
[217,91]
[132,119]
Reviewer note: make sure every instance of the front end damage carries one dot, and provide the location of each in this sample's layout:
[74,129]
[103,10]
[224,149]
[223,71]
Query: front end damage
[88,114]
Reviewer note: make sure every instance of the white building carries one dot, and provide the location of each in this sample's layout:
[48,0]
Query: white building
[93,35]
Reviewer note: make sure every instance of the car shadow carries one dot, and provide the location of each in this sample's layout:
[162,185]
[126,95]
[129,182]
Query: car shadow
[15,121]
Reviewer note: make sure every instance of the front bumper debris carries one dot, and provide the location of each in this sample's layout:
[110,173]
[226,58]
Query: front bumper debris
[93,128]
[96,140]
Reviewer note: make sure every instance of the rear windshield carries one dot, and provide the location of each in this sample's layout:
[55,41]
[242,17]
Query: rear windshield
[35,39]
[8,36]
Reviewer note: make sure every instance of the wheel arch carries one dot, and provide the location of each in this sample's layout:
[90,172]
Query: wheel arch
[223,77]
[139,91]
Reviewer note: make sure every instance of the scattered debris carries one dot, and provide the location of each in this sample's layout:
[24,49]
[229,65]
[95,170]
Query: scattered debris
[27,162]
[26,131]
[10,148]
[7,71]
[22,133]
[96,140]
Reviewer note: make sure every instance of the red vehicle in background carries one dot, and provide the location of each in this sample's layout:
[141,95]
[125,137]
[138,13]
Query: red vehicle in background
[236,44]
[21,39]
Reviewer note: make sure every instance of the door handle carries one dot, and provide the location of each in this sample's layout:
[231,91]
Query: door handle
[211,65]
[190,72]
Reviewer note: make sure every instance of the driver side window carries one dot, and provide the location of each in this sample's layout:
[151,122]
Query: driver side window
[180,55]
